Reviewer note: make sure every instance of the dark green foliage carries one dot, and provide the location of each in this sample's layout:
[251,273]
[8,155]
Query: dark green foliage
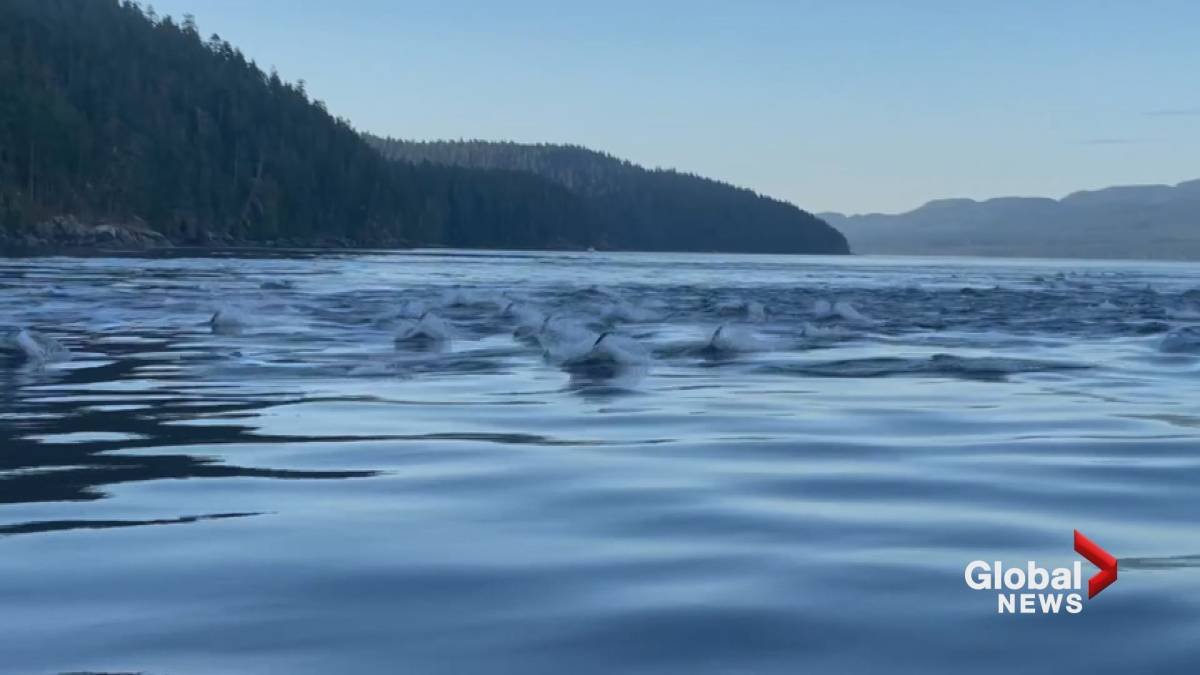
[635,208]
[106,114]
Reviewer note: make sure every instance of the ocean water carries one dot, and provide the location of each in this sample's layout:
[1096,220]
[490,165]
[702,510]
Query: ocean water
[451,462]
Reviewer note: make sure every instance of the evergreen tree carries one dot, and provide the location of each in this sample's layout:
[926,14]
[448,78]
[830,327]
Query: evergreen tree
[109,112]
[634,208]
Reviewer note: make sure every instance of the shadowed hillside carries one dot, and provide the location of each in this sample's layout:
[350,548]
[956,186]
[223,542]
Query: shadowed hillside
[112,114]
[122,128]
[637,208]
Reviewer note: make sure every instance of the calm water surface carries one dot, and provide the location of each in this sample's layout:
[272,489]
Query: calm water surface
[288,489]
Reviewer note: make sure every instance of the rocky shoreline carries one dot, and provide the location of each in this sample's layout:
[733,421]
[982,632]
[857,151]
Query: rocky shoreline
[69,235]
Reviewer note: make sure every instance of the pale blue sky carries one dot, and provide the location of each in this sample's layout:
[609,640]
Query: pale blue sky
[834,105]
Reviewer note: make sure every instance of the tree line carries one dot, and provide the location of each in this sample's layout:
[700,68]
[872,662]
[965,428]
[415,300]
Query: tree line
[632,207]
[109,112]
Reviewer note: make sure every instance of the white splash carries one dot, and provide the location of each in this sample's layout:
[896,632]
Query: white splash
[823,309]
[841,309]
[850,313]
[430,330]
[411,309]
[609,356]
[735,339]
[33,347]
[562,339]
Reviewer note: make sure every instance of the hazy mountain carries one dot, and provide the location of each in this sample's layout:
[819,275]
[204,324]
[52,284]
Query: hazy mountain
[1136,221]
[636,208]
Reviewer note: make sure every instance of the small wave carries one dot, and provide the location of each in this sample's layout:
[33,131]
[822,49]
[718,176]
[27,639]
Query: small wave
[944,365]
[427,332]
[380,369]
[407,310]
[814,331]
[623,311]
[1181,341]
[531,326]
[750,310]
[563,339]
[594,292]
[1148,327]
[993,365]
[412,309]
[475,298]
[228,321]
[1184,313]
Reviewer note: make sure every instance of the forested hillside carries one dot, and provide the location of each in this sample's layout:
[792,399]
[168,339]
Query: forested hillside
[638,208]
[108,113]
[113,119]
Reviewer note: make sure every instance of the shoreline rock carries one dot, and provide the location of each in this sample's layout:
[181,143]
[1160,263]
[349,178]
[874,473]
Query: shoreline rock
[71,235]
[68,233]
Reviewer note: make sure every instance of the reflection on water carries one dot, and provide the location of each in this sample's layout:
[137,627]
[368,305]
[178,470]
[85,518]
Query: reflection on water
[71,440]
[472,462]
[1161,563]
[56,525]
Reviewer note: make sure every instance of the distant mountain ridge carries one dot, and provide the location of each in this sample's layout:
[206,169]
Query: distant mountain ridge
[635,208]
[1128,221]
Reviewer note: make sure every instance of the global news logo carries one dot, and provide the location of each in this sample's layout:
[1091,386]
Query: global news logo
[1034,589]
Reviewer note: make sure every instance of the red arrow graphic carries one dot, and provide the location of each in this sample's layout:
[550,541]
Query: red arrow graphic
[1100,558]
